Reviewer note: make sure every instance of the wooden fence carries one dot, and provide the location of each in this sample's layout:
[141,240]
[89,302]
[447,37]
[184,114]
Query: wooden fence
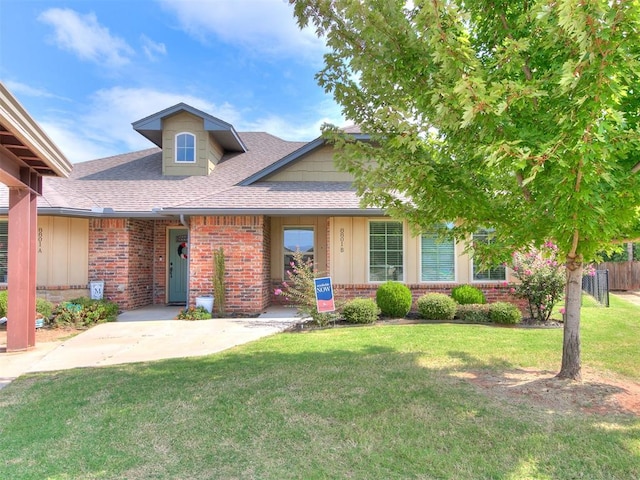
[622,275]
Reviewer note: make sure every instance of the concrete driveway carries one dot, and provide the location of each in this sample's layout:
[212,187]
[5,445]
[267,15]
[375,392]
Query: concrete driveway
[142,335]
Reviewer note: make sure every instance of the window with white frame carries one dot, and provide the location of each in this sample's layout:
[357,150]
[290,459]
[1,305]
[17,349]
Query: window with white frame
[491,274]
[437,258]
[185,148]
[4,242]
[297,239]
[386,251]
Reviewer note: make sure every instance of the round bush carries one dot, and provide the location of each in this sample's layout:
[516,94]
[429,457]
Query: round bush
[394,299]
[505,313]
[436,306]
[473,313]
[467,294]
[361,310]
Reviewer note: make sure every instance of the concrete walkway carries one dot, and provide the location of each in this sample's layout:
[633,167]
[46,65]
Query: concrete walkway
[142,335]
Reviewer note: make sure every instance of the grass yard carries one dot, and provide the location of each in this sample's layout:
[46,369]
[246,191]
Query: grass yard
[429,401]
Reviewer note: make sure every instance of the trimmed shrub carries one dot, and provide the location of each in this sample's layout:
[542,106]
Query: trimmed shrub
[473,313]
[394,299]
[504,313]
[361,310]
[436,306]
[467,294]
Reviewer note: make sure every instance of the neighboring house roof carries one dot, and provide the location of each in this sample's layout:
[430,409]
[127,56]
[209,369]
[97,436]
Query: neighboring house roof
[132,185]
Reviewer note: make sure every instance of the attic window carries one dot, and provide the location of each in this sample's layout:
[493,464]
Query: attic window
[185,147]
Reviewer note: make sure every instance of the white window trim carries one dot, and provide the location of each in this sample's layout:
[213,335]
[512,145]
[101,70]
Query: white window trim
[175,143]
[404,250]
[439,282]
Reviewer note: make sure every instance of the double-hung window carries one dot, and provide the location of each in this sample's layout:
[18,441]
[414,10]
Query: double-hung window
[185,148]
[297,239]
[490,274]
[386,251]
[437,258]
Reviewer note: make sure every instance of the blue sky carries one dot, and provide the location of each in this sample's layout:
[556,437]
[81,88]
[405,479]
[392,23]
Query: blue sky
[85,70]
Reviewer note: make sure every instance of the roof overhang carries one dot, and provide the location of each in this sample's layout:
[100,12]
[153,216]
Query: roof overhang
[223,132]
[176,212]
[26,152]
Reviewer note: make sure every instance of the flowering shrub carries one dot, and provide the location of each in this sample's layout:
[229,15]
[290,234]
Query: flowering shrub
[301,290]
[542,279]
[194,313]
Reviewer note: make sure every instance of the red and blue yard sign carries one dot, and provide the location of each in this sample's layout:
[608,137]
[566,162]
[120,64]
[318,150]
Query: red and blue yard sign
[324,295]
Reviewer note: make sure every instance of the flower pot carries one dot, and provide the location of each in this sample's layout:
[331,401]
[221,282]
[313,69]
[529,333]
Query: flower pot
[206,301]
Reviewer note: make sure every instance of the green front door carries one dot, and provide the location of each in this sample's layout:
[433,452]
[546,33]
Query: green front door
[178,265]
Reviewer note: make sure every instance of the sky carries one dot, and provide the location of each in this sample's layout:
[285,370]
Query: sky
[86,70]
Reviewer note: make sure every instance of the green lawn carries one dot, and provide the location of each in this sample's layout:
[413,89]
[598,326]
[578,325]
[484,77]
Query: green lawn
[378,402]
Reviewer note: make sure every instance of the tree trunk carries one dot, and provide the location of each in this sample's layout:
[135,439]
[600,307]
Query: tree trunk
[571,365]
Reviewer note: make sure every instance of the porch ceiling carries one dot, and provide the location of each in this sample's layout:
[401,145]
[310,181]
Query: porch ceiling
[26,153]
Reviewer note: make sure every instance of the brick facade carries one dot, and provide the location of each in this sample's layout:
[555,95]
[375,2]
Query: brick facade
[246,244]
[121,254]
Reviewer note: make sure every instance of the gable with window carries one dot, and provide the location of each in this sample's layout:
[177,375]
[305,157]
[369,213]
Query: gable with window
[491,274]
[386,251]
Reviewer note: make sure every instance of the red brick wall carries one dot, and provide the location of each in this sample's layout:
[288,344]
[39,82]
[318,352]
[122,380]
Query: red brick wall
[141,248]
[246,244]
[121,254]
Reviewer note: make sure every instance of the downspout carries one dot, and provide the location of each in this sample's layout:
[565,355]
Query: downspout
[185,224]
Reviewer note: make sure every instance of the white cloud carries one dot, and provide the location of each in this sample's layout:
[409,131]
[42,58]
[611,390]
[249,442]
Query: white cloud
[152,49]
[84,36]
[265,26]
[18,88]
[102,125]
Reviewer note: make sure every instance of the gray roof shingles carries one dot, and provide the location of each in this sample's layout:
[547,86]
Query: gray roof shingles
[133,184]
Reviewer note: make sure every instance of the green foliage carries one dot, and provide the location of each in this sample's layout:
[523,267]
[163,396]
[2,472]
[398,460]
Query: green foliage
[436,306]
[193,313]
[621,253]
[4,299]
[504,313]
[521,117]
[467,294]
[43,307]
[394,299]
[218,281]
[541,279]
[361,310]
[84,312]
[473,313]
[300,290]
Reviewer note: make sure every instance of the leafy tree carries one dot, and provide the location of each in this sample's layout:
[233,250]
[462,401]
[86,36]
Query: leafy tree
[520,116]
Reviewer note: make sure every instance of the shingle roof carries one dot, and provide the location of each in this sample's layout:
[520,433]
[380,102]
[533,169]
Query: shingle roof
[133,184]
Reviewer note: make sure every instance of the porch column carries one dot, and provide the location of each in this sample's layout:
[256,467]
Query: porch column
[21,329]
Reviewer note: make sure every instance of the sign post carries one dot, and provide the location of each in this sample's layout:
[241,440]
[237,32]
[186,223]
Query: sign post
[324,295]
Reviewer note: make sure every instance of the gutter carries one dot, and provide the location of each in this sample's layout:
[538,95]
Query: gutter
[184,213]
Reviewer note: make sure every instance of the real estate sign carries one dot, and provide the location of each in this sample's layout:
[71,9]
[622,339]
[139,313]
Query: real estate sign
[324,295]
